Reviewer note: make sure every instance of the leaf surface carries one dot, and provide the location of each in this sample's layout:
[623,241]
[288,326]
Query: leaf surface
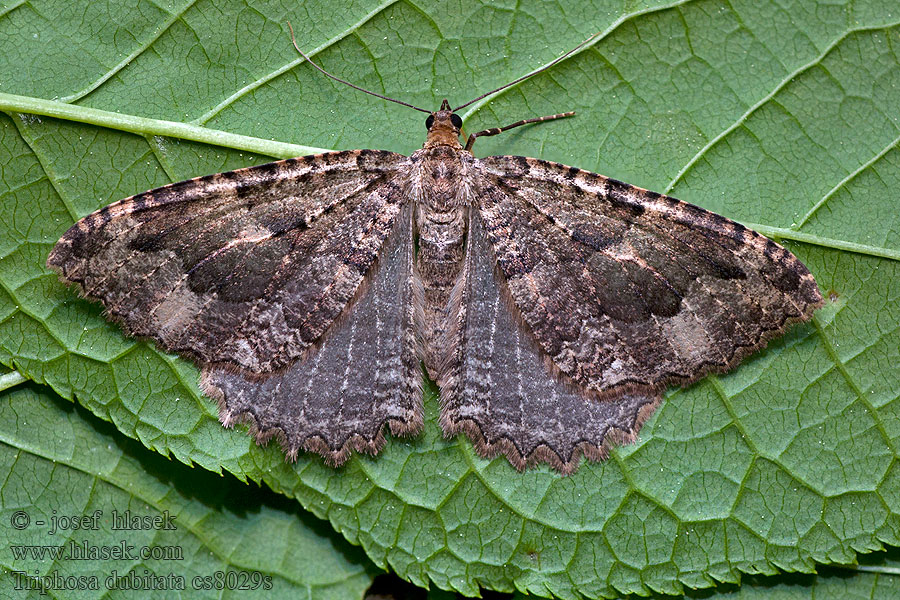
[877,577]
[143,521]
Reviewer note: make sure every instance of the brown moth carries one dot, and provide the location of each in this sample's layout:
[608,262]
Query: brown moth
[551,305]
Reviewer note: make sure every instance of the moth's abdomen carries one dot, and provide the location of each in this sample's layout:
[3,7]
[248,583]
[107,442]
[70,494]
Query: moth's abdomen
[439,262]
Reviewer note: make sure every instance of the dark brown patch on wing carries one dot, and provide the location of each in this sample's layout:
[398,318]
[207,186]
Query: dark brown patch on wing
[363,377]
[597,236]
[632,290]
[501,394]
[249,279]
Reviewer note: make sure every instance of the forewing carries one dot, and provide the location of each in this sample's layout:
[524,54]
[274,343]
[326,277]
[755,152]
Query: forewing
[498,390]
[245,269]
[626,290]
[364,374]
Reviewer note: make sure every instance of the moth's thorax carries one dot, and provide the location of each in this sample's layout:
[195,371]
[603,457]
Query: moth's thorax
[442,131]
[441,182]
[440,176]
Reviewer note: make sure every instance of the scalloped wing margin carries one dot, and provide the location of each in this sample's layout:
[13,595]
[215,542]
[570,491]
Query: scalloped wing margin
[364,374]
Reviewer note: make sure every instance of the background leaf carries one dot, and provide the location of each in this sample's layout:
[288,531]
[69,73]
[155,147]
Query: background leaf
[59,461]
[785,118]
[876,579]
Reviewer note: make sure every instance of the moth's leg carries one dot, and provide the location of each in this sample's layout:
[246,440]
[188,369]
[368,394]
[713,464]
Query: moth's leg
[496,130]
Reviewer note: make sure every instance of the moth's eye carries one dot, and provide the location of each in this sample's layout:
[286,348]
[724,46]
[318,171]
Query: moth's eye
[429,121]
[457,122]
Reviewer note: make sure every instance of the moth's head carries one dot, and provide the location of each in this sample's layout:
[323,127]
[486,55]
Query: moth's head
[443,127]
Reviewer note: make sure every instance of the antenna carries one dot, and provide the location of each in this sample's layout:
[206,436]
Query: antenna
[493,131]
[338,79]
[532,74]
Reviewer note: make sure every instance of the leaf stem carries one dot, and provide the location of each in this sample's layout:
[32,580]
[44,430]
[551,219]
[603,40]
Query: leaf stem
[884,570]
[145,126]
[811,238]
[13,378]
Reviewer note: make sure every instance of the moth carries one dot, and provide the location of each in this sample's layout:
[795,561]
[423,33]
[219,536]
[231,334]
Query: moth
[551,305]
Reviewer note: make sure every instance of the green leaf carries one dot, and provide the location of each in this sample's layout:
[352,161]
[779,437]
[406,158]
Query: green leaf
[783,117]
[79,500]
[876,578]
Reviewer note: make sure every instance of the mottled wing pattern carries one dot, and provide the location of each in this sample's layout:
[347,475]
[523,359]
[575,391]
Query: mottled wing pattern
[364,374]
[294,286]
[245,269]
[498,391]
[626,290]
